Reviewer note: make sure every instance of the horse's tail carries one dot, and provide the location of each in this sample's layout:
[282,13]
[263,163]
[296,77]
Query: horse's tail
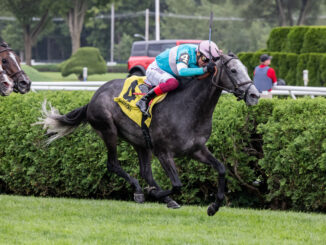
[58,125]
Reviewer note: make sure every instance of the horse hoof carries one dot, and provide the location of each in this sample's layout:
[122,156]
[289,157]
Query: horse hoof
[149,189]
[173,204]
[212,209]
[139,197]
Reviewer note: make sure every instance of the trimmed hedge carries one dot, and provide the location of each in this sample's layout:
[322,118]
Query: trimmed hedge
[84,57]
[277,39]
[119,68]
[244,138]
[297,39]
[289,66]
[48,67]
[314,40]
[295,154]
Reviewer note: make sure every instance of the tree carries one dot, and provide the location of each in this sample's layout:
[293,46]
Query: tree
[229,35]
[282,12]
[74,12]
[75,19]
[98,29]
[12,33]
[25,12]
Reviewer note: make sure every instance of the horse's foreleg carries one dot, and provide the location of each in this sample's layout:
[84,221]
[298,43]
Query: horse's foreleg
[110,137]
[145,156]
[205,156]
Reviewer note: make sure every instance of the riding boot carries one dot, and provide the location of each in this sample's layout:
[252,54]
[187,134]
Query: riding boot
[144,101]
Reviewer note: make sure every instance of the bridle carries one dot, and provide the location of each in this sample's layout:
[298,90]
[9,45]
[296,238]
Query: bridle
[240,94]
[15,75]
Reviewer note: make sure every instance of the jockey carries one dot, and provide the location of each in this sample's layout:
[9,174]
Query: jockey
[184,60]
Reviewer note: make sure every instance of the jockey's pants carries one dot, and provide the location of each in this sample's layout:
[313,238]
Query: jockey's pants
[155,76]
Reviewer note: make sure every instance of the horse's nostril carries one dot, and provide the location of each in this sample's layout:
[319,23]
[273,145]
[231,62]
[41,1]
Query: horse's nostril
[6,84]
[23,84]
[254,96]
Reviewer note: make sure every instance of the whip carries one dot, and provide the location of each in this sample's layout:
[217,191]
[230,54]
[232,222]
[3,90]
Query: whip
[210,35]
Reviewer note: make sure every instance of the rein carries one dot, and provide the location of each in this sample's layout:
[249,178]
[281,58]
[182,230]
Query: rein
[236,90]
[17,74]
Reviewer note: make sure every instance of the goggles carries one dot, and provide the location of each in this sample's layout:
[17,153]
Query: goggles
[206,60]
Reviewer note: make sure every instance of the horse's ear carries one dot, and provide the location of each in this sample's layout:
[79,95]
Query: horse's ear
[232,54]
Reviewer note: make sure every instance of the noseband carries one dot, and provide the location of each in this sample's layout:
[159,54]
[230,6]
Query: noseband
[236,86]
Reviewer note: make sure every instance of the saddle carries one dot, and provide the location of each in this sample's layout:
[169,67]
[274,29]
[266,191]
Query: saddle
[133,89]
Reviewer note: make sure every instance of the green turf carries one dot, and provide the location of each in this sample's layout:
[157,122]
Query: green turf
[29,220]
[35,75]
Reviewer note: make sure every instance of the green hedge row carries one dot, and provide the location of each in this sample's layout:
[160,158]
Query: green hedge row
[280,142]
[48,67]
[119,68]
[297,39]
[290,66]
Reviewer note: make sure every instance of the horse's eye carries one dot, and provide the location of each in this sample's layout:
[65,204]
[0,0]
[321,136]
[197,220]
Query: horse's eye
[4,61]
[233,70]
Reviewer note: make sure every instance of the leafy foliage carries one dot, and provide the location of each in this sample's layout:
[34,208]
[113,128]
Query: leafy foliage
[277,39]
[294,154]
[314,40]
[295,39]
[122,49]
[47,67]
[84,57]
[279,142]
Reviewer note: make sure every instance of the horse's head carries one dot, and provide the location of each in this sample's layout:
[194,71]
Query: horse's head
[233,77]
[11,65]
[6,84]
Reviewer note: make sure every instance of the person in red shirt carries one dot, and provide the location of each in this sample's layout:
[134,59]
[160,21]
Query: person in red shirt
[264,76]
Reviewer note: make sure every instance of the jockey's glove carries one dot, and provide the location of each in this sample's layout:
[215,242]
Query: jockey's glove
[210,67]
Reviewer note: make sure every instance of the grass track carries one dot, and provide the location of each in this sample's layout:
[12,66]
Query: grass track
[30,220]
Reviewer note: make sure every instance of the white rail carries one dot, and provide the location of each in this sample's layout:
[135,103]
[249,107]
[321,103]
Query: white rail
[292,91]
[68,86]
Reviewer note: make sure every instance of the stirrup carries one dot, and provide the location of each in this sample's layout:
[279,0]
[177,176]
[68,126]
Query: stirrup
[146,113]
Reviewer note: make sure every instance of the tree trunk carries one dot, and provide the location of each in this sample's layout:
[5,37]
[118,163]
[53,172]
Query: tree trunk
[30,36]
[28,45]
[75,19]
[289,13]
[303,11]
[281,14]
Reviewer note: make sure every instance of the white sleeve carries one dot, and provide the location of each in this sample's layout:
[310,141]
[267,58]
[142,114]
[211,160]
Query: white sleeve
[181,65]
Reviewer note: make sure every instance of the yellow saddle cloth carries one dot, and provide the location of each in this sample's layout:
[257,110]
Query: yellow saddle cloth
[129,96]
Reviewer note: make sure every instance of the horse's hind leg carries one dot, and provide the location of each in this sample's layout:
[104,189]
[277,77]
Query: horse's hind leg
[205,156]
[145,156]
[109,135]
[170,169]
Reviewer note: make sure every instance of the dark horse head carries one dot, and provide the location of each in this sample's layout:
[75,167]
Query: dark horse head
[11,65]
[232,76]
[6,84]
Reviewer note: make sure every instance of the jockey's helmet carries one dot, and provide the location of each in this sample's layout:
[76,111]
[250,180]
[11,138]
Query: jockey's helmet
[203,48]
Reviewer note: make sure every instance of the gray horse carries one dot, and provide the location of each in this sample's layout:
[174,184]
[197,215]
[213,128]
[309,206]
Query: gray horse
[181,125]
